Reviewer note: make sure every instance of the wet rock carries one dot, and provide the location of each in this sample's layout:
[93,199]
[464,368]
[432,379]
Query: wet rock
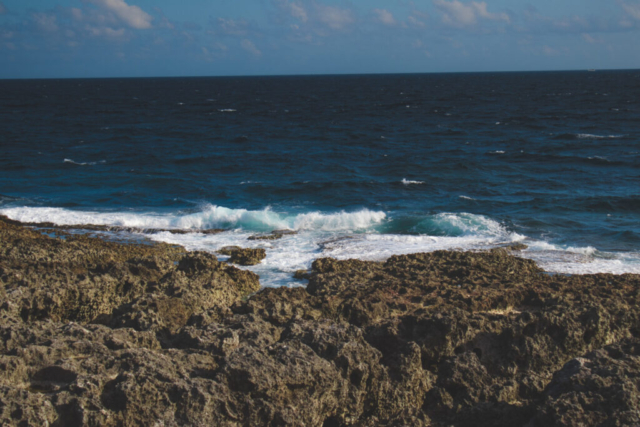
[301,275]
[517,247]
[274,235]
[247,256]
[228,250]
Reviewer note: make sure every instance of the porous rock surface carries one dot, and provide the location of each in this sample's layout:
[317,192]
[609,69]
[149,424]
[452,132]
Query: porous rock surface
[247,256]
[102,334]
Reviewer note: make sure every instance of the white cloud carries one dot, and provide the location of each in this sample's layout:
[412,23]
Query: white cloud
[460,14]
[334,17]
[77,14]
[384,16]
[133,16]
[46,22]
[591,39]
[415,22]
[632,10]
[295,9]
[299,12]
[250,47]
[106,32]
[232,28]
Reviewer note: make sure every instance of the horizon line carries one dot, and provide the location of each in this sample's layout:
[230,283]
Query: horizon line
[320,74]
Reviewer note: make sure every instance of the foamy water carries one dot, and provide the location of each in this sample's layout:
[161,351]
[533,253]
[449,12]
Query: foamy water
[341,235]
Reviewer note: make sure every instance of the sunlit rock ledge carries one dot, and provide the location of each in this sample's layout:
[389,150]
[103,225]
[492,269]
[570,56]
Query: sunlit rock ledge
[101,333]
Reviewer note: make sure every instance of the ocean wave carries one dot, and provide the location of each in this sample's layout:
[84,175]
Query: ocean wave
[463,224]
[591,136]
[209,217]
[581,260]
[409,182]
[364,234]
[70,161]
[576,136]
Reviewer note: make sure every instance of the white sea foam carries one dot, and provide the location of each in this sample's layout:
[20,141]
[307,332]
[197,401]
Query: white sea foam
[409,182]
[466,197]
[83,163]
[590,136]
[227,110]
[341,235]
[209,217]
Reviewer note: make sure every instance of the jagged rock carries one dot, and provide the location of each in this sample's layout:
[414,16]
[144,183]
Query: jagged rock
[274,235]
[601,388]
[247,256]
[228,250]
[517,247]
[301,275]
[98,333]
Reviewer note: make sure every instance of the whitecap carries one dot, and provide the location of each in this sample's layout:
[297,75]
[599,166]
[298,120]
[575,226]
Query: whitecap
[227,110]
[591,136]
[409,182]
[210,216]
[341,235]
[71,161]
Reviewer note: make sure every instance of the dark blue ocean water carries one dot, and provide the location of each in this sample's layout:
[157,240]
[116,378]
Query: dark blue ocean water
[396,163]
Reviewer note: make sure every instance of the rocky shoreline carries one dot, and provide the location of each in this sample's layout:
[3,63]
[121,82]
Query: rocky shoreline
[100,333]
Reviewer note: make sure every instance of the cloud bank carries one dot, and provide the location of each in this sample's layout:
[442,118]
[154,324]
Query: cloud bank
[133,16]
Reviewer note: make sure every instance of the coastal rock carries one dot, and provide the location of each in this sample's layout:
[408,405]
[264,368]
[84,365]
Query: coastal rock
[601,388]
[99,333]
[517,247]
[247,256]
[301,275]
[274,235]
[85,280]
[228,250]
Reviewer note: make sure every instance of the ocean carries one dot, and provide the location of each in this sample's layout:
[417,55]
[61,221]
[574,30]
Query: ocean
[359,166]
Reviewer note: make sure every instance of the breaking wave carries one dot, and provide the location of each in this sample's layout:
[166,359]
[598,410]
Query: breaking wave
[209,217]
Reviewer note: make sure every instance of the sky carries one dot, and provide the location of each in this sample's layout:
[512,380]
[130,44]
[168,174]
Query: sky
[139,38]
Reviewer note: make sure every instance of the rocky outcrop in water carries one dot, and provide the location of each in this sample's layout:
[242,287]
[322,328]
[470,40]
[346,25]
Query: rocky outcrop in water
[274,235]
[247,256]
[104,334]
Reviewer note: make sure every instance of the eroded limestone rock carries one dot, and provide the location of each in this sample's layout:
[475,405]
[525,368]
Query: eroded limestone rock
[102,334]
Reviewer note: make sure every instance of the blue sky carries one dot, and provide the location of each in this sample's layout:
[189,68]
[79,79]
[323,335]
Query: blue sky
[110,38]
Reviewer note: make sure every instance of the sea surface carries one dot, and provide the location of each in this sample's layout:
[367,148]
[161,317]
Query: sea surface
[360,166]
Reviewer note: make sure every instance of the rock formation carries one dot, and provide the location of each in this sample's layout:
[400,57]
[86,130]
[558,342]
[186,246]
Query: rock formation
[104,334]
